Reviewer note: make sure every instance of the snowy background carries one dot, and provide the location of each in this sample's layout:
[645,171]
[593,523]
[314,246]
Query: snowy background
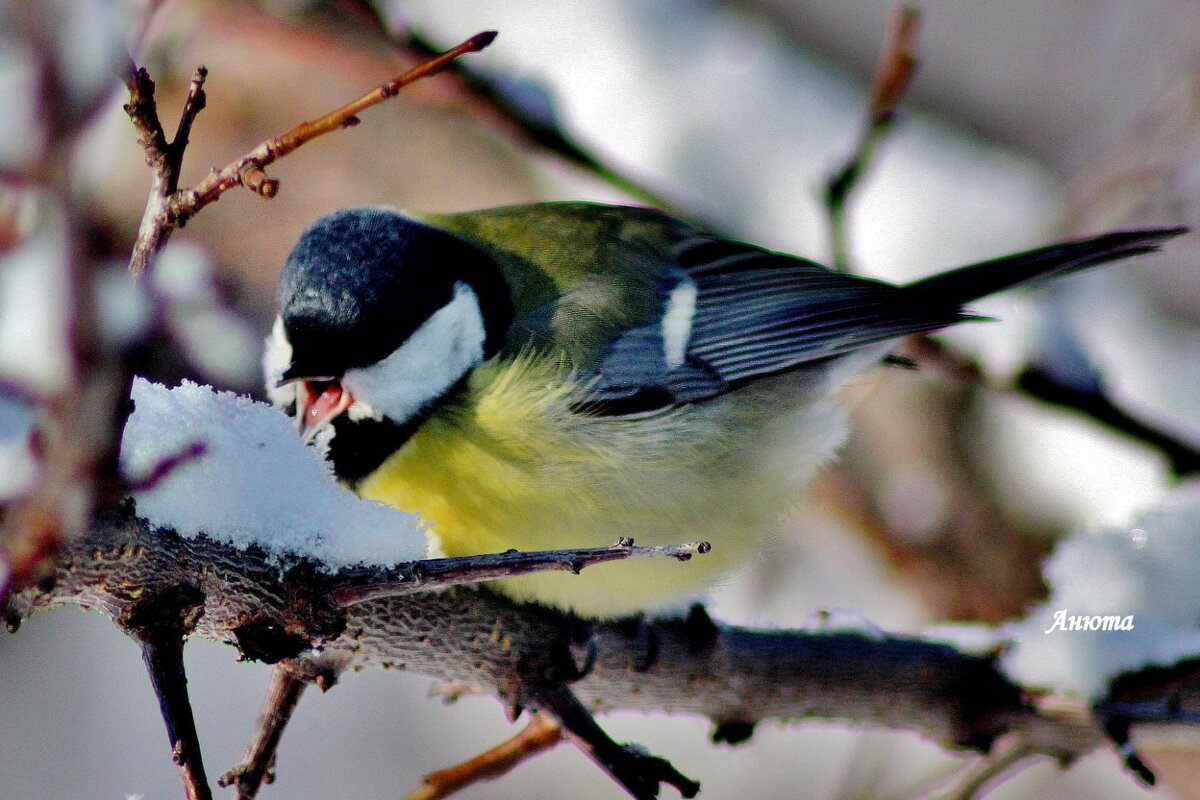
[736,112]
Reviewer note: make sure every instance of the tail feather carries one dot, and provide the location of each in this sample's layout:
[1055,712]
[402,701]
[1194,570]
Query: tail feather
[962,285]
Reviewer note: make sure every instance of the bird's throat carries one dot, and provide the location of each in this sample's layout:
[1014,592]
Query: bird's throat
[359,447]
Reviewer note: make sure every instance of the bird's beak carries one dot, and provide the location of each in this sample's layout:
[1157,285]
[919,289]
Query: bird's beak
[319,402]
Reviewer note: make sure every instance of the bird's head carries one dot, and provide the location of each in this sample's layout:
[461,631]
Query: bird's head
[381,316]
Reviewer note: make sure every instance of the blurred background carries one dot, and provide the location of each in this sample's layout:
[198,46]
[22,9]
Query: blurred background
[1028,121]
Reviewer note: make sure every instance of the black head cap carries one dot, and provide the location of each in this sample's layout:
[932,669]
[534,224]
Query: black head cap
[361,280]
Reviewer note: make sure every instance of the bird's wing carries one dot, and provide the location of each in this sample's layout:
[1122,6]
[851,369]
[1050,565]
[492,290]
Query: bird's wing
[730,313]
[654,314]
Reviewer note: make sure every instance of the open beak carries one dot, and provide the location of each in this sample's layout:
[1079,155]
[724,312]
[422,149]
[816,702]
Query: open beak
[319,402]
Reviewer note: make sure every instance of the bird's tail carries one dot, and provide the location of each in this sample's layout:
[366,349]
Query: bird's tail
[962,285]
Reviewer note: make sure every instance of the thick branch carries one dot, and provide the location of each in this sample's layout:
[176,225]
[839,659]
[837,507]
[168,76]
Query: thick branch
[734,676]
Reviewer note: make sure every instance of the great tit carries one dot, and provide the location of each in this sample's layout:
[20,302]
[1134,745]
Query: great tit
[564,374]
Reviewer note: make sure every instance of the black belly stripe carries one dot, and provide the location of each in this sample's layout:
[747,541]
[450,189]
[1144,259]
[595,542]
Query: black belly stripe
[359,447]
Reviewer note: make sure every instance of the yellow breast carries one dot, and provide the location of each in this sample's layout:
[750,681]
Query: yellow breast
[513,466]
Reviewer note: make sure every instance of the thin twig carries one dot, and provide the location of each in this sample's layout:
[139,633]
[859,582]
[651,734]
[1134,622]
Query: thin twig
[1094,403]
[169,207]
[974,777]
[164,158]
[497,105]
[186,203]
[283,695]
[418,576]
[1042,385]
[893,75]
[164,467]
[541,734]
[640,773]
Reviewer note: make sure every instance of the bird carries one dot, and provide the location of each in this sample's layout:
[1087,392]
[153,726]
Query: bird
[562,375]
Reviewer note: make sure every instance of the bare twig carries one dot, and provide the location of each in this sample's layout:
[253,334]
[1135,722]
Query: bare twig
[159,623]
[895,71]
[640,773]
[283,694]
[973,779]
[539,735]
[419,576]
[1042,385]
[496,105]
[188,202]
[165,467]
[169,208]
[164,662]
[162,157]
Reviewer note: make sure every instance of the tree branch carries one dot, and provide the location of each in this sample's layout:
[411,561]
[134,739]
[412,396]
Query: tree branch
[169,207]
[895,71]
[283,695]
[528,655]
[423,575]
[489,97]
[248,170]
[538,736]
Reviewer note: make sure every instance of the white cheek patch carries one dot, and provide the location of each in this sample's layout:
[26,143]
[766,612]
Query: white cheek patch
[433,359]
[277,357]
[677,321]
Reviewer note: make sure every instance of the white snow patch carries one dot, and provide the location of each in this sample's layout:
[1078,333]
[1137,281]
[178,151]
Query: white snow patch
[217,341]
[256,484]
[33,300]
[1148,569]
[124,310]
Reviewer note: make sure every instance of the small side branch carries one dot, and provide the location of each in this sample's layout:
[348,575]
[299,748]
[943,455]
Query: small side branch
[419,576]
[1034,382]
[895,71]
[640,773]
[162,651]
[488,96]
[283,695]
[165,159]
[538,736]
[248,170]
[1183,457]
[169,207]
